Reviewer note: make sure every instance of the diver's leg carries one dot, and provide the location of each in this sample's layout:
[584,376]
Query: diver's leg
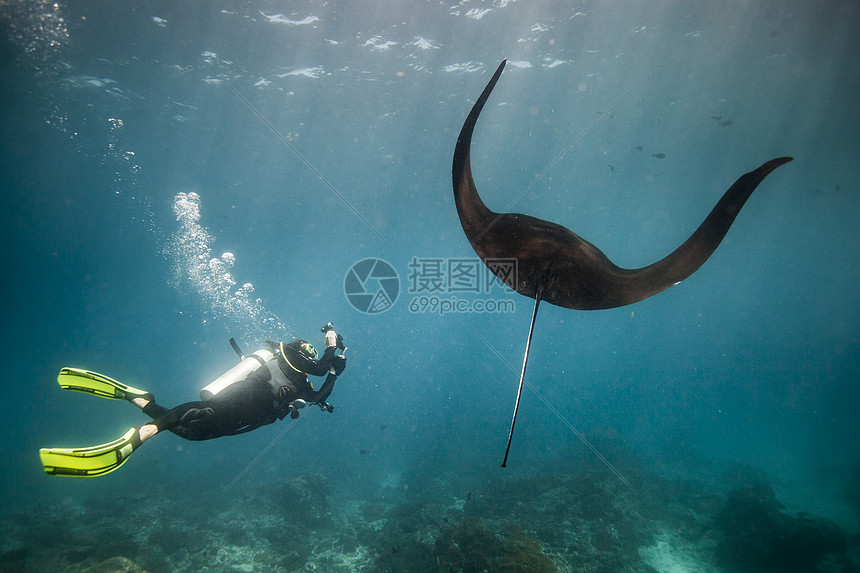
[146,431]
[186,420]
[148,406]
[193,420]
[141,401]
[153,410]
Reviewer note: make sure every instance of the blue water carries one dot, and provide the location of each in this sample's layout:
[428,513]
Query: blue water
[110,110]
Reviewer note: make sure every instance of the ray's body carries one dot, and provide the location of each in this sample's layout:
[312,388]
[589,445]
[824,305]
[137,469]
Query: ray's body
[556,265]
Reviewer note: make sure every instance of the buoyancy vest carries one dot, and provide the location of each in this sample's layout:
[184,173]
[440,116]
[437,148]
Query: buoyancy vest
[285,378]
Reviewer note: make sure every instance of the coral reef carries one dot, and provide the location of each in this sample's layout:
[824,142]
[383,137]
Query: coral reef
[584,521]
[852,491]
[755,535]
[592,521]
[469,546]
[115,565]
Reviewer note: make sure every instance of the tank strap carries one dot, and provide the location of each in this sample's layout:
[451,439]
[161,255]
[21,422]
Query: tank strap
[258,359]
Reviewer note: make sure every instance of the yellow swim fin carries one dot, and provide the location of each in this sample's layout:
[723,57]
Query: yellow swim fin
[90,462]
[98,384]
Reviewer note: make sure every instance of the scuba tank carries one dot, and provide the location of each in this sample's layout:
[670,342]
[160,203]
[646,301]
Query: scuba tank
[239,372]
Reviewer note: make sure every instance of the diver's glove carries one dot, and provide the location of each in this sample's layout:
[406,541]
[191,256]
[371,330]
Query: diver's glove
[338,364]
[326,407]
[331,338]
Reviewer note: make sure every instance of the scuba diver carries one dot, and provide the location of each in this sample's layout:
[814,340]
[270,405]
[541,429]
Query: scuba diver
[264,387]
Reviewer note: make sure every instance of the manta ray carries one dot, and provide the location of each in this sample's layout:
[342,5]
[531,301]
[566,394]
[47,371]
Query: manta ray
[556,265]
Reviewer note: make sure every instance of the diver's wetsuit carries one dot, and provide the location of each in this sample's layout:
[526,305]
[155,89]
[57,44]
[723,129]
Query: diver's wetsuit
[250,403]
